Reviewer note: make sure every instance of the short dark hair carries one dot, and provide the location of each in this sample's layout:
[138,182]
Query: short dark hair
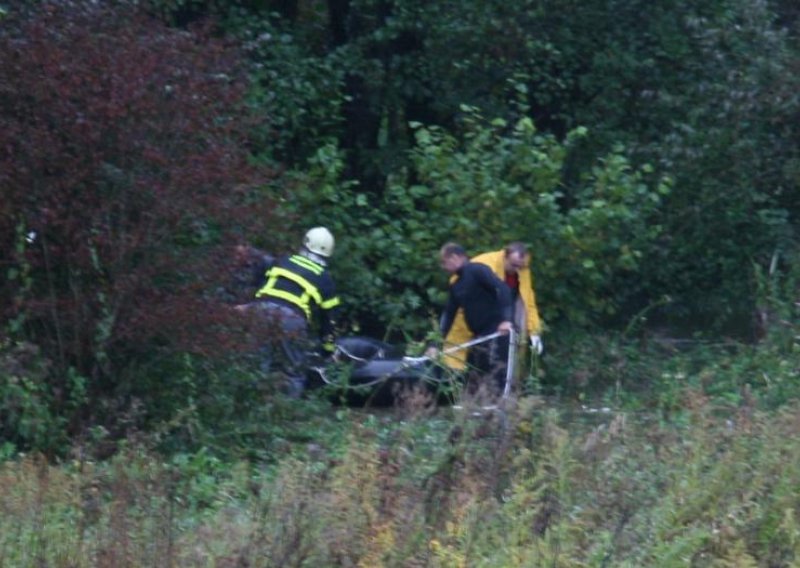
[518,247]
[449,249]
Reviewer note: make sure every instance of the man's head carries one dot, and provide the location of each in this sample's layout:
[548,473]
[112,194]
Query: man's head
[515,257]
[319,240]
[452,256]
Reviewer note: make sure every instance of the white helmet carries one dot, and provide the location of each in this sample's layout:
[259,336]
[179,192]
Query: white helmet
[319,240]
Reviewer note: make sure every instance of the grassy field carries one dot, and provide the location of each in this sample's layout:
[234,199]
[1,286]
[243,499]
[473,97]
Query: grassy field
[528,485]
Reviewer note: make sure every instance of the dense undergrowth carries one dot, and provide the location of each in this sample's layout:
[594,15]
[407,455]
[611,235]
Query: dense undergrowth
[696,465]
[647,155]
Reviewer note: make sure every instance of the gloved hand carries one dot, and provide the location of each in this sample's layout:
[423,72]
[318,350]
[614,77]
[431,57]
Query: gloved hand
[536,344]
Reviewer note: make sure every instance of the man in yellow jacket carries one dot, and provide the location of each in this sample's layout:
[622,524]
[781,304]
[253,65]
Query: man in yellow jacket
[510,265]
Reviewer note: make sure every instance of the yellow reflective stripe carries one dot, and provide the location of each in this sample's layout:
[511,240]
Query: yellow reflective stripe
[307,264]
[309,290]
[291,298]
[332,303]
[269,285]
[307,287]
[270,290]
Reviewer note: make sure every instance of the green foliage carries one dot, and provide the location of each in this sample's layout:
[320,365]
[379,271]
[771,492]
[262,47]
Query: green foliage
[26,400]
[705,92]
[405,124]
[227,409]
[727,145]
[491,184]
[301,92]
[529,486]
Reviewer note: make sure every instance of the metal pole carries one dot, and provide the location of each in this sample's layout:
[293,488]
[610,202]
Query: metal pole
[470,343]
[453,349]
[510,365]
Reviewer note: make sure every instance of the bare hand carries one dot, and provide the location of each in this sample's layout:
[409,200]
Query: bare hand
[505,327]
[431,352]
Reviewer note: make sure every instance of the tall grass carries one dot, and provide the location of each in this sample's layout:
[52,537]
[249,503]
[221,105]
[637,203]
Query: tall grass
[522,487]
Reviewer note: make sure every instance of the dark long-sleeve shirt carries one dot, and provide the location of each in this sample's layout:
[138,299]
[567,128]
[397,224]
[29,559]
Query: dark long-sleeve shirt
[485,299]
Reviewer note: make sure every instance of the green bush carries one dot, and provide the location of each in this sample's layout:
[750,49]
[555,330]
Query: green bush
[28,399]
[491,184]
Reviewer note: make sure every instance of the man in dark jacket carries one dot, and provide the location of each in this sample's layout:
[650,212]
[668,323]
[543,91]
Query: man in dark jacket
[487,306]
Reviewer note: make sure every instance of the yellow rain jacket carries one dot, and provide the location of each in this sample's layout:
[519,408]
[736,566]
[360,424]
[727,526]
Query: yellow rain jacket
[526,316]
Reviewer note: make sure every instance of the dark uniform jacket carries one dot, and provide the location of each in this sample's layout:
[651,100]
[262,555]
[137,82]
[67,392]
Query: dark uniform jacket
[485,299]
[303,285]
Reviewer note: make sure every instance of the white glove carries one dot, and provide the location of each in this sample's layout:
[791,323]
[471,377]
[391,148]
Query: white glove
[536,344]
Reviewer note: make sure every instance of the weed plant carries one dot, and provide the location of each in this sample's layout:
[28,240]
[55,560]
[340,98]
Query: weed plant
[523,485]
[667,457]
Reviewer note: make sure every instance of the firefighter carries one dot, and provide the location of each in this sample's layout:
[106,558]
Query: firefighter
[299,295]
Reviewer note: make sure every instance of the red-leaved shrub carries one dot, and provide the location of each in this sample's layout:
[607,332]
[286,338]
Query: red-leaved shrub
[124,174]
